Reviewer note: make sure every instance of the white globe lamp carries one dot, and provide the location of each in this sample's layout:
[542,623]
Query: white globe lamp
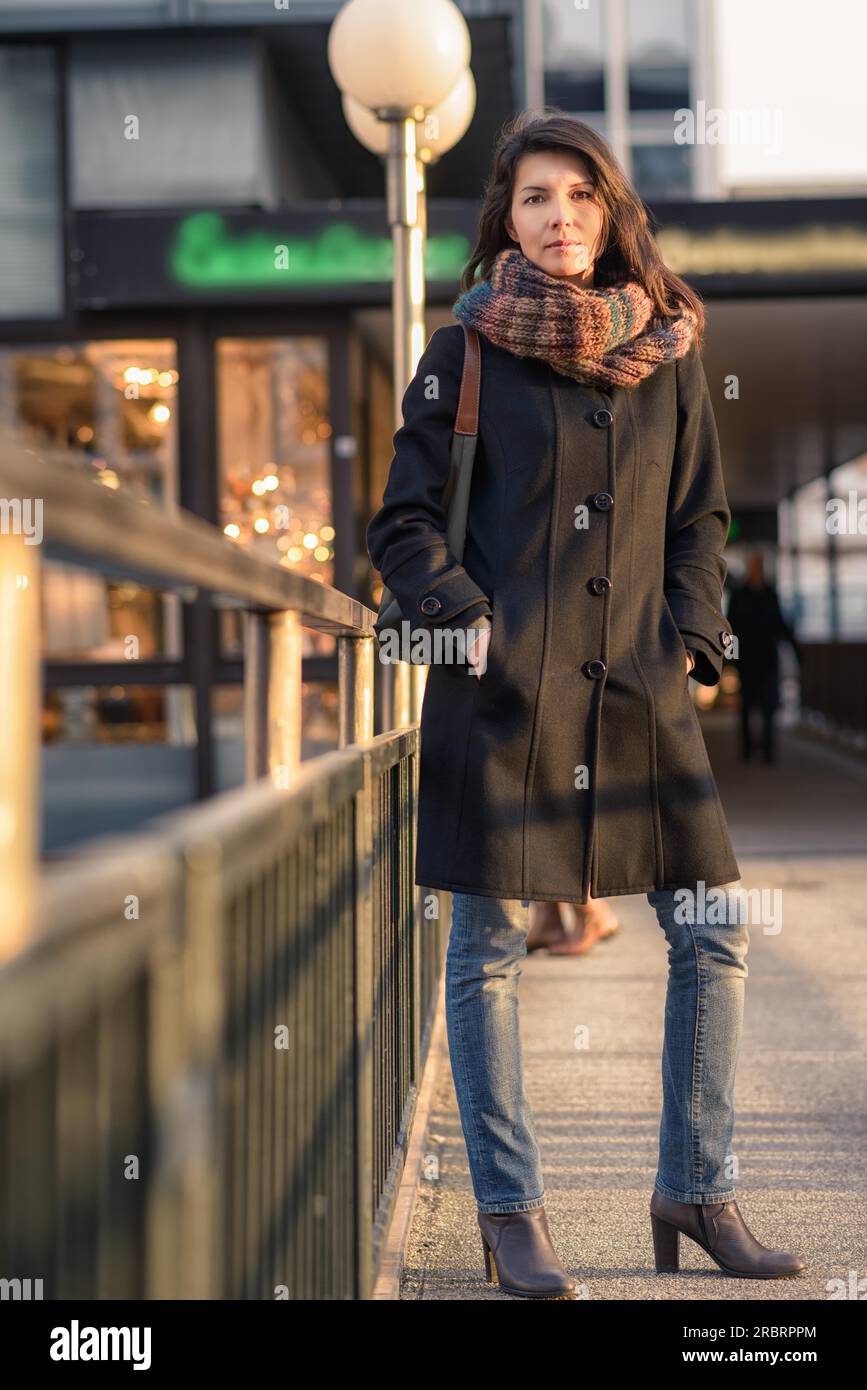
[398,53]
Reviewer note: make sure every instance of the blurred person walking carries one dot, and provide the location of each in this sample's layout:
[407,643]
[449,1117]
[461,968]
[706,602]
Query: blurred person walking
[759,626]
[572,767]
[570,929]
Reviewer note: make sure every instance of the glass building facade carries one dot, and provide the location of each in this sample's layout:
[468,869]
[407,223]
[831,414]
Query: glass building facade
[634,55]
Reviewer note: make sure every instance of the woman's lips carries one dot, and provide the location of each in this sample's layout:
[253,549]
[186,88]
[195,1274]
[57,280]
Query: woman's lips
[574,249]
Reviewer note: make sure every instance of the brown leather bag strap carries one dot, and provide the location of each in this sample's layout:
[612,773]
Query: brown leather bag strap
[467,418]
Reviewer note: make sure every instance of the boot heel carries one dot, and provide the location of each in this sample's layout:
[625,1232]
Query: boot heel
[490,1266]
[666,1243]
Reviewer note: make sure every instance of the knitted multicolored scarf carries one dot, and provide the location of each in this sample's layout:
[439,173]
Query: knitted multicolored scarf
[598,336]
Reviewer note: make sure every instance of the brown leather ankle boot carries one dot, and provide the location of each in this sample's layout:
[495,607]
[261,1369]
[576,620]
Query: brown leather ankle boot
[722,1233]
[520,1257]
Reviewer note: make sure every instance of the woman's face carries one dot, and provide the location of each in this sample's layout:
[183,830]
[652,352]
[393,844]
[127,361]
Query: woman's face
[556,215]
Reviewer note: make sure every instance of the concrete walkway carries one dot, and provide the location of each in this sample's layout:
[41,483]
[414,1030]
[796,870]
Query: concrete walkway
[801,1095]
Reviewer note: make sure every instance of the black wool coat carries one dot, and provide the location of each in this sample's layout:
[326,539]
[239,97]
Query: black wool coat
[597,521]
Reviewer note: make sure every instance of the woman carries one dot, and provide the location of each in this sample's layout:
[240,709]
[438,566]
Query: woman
[573,765]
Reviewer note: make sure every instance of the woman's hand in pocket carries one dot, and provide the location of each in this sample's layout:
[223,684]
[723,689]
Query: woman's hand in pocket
[478,639]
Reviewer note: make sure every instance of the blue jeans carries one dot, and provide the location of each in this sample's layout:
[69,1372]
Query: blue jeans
[703,1015]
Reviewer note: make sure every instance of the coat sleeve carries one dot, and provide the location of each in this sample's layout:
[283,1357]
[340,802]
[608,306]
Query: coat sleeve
[697,525]
[406,538]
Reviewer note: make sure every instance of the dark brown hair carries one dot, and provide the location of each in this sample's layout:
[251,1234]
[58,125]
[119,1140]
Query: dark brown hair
[629,250]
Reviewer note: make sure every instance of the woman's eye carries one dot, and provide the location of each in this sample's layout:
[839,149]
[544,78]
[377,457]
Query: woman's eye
[582,193]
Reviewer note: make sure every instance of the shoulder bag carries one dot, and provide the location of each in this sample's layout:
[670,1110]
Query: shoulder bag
[456,496]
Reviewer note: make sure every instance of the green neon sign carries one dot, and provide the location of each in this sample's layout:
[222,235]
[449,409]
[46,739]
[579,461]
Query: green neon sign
[205,255]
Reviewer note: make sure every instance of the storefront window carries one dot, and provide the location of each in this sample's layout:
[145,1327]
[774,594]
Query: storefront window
[275,459]
[89,617]
[107,410]
[110,714]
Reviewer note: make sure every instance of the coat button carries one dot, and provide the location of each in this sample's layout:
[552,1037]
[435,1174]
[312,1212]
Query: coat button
[594,669]
[600,584]
[726,638]
[430,605]
[602,418]
[603,501]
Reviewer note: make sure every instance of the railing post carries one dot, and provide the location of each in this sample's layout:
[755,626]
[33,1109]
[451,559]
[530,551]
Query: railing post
[396,707]
[272,696]
[355,686]
[20,719]
[402,687]
[355,671]
[364,1008]
[418,681]
[255,695]
[204,1176]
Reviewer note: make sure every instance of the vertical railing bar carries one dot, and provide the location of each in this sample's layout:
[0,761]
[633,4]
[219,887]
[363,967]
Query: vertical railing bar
[308,1047]
[292,1087]
[276,1267]
[338,1159]
[243,1118]
[265,988]
[334,1158]
[256,673]
[314,1019]
[104,1042]
[283,727]
[406,992]
[254,1082]
[412,927]
[318,1088]
[207,1007]
[343,1249]
[282,1065]
[355,683]
[20,737]
[297,1091]
[390,962]
[233,935]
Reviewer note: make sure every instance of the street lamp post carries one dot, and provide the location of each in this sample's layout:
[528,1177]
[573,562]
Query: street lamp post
[404,181]
[407,95]
[386,133]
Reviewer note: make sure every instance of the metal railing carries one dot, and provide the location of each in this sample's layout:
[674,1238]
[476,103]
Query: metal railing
[211,1032]
[834,684]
